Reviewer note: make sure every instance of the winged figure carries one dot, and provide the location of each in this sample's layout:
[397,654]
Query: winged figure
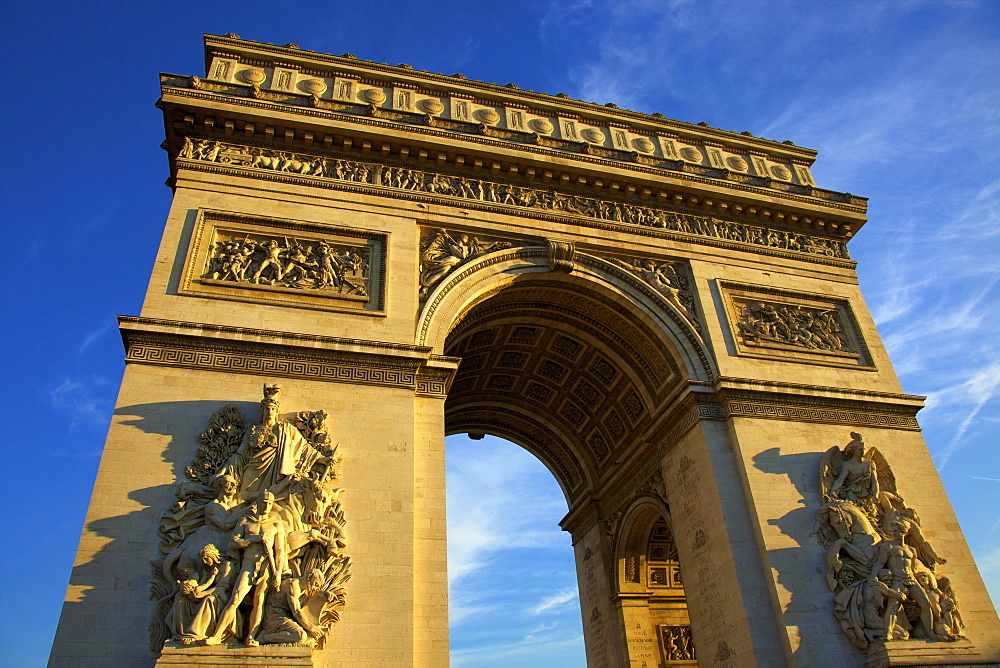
[440,253]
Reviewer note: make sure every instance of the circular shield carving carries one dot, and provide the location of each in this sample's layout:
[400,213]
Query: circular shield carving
[643,144]
[488,116]
[253,76]
[781,172]
[374,95]
[431,106]
[594,136]
[313,86]
[691,154]
[541,125]
[737,163]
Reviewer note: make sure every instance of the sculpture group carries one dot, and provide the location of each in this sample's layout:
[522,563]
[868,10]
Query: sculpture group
[254,544]
[289,264]
[792,325]
[882,570]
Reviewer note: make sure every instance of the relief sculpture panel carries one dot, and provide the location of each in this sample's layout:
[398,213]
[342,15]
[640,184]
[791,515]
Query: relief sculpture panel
[249,258]
[794,327]
[253,547]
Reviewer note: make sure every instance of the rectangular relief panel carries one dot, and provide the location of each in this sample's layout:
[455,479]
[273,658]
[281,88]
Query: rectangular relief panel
[769,323]
[285,263]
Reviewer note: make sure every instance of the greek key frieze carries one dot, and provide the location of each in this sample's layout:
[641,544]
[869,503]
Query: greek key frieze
[547,200]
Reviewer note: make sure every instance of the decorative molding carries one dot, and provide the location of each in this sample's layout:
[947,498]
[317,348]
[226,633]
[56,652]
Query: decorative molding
[773,406]
[166,343]
[378,177]
[634,140]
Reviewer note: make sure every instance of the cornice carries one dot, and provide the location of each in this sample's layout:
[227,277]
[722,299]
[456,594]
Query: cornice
[755,195]
[233,46]
[285,354]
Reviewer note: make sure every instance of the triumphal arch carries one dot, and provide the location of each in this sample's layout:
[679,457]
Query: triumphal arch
[362,258]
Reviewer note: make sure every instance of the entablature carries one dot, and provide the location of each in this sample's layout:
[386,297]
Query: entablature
[340,103]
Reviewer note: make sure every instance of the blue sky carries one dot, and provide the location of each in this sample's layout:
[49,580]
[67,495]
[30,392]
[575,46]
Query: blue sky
[901,98]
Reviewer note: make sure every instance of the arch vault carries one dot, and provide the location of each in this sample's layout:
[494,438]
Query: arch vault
[665,314]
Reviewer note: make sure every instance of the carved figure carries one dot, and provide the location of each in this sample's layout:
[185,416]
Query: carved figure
[665,279]
[503,193]
[284,621]
[261,540]
[849,475]
[440,253]
[254,542]
[879,566]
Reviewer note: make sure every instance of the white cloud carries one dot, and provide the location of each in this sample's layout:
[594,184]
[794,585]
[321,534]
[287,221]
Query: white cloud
[555,601]
[93,337]
[527,653]
[494,505]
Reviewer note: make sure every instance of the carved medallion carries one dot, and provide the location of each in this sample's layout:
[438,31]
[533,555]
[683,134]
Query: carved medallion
[373,95]
[541,126]
[432,106]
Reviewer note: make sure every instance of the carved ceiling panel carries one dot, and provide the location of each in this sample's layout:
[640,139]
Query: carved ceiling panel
[563,357]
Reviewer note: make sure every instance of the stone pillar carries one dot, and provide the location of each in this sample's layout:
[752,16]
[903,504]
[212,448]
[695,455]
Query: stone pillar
[732,619]
[594,569]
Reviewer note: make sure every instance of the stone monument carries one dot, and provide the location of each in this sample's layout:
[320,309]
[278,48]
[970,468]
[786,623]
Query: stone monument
[665,314]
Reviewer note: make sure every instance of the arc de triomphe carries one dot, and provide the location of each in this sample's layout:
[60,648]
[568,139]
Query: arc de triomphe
[665,314]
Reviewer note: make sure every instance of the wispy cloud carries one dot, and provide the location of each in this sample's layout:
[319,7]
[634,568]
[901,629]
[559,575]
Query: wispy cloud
[94,336]
[494,505]
[555,601]
[81,401]
[529,652]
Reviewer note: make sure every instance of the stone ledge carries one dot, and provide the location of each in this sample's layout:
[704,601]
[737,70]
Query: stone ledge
[923,653]
[265,655]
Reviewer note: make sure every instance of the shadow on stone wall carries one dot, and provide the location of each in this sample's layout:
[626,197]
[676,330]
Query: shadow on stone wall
[110,621]
[800,570]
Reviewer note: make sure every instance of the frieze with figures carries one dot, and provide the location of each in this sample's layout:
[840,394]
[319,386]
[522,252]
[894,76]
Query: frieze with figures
[510,194]
[317,265]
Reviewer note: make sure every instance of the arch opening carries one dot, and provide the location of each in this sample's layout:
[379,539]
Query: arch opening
[569,370]
[578,372]
[513,596]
